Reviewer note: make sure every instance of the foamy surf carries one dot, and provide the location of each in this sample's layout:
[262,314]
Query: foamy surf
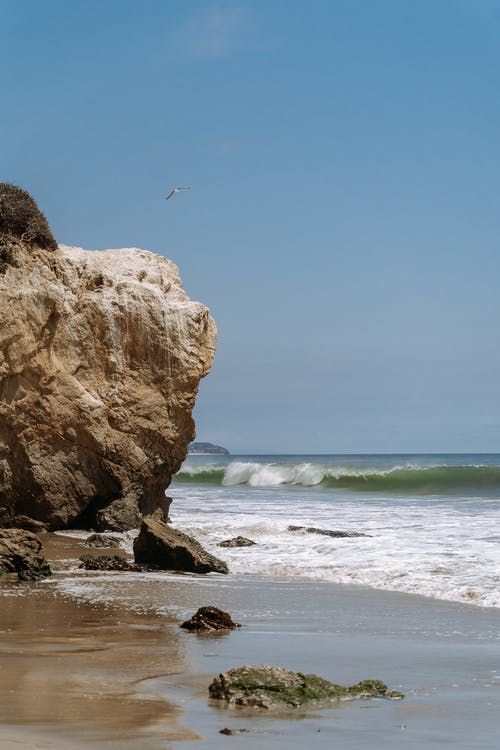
[430,521]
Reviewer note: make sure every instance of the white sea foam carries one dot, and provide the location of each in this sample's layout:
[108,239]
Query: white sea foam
[438,547]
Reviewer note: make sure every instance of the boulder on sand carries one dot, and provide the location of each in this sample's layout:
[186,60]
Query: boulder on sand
[20,553]
[210,618]
[170,549]
[276,688]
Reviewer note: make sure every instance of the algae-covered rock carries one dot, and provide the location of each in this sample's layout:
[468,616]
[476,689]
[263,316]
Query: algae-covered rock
[277,688]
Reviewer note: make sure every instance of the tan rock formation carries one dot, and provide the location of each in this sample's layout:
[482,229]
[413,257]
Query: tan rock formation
[101,354]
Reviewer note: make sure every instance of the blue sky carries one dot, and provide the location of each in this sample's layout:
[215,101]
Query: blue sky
[343,223]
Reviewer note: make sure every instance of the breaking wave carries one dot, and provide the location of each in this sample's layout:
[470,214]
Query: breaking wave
[401,479]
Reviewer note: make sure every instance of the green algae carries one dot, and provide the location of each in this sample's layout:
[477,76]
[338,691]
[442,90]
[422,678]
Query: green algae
[274,687]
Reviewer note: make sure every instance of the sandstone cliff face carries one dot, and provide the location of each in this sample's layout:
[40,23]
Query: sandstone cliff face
[101,354]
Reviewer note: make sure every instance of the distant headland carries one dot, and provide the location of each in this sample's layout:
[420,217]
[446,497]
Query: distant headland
[208,448]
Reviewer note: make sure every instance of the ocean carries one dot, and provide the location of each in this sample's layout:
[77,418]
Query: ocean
[430,523]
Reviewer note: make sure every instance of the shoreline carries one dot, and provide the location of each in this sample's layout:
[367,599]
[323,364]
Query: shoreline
[115,675]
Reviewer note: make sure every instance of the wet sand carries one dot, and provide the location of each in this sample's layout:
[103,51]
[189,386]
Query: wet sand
[98,660]
[71,672]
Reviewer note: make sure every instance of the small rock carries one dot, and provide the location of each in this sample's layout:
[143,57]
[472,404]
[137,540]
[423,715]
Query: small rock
[274,688]
[102,540]
[228,731]
[210,618]
[326,532]
[169,549]
[237,541]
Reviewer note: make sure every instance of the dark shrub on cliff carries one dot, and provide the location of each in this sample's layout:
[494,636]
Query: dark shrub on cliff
[20,218]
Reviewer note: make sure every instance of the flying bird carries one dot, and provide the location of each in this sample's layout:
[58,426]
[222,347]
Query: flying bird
[176,190]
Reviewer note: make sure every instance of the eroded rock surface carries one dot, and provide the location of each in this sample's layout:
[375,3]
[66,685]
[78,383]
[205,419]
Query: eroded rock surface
[277,688]
[20,553]
[170,549]
[101,354]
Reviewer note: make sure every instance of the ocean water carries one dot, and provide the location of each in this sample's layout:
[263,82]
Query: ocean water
[431,523]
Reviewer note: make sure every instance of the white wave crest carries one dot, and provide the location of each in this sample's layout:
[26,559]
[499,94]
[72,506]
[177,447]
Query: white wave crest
[272,475]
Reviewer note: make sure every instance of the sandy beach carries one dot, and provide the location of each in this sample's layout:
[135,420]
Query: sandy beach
[91,660]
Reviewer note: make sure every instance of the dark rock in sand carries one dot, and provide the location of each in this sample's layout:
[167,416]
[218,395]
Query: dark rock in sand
[20,553]
[111,562]
[276,688]
[326,532]
[210,618]
[102,540]
[169,549]
[237,541]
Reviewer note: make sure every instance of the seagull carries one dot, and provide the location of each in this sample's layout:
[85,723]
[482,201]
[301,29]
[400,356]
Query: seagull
[176,190]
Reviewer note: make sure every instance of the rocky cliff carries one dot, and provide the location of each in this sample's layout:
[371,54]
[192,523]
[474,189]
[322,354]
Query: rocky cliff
[101,354]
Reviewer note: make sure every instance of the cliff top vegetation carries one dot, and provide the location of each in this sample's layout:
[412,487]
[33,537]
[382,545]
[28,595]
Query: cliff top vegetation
[20,218]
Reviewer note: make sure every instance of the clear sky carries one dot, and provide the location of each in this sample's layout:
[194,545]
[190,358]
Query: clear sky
[343,224]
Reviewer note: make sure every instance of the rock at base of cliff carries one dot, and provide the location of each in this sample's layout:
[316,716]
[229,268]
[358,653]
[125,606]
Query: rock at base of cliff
[169,549]
[237,541]
[20,553]
[210,618]
[277,688]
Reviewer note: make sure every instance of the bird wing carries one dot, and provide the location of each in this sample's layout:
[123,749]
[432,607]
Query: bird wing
[172,192]
[183,188]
